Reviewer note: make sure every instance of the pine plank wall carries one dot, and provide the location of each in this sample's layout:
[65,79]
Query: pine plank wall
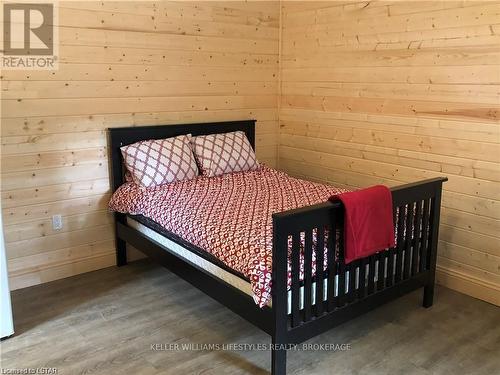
[392,92]
[368,92]
[122,63]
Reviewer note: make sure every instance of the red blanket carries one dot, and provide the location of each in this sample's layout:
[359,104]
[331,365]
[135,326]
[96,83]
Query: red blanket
[368,223]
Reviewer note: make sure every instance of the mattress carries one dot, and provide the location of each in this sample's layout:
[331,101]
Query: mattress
[218,270]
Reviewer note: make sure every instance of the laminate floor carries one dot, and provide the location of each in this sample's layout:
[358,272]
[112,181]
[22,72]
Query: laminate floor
[105,322]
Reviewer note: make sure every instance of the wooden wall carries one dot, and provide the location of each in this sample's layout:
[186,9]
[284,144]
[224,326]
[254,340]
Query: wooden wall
[121,63]
[392,92]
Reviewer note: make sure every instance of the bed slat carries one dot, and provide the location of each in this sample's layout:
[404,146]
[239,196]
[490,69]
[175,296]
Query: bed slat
[381,268]
[400,244]
[332,266]
[320,255]
[308,275]
[390,256]
[341,268]
[371,274]
[295,279]
[417,236]
[362,278]
[425,236]
[410,223]
[352,281]
[341,284]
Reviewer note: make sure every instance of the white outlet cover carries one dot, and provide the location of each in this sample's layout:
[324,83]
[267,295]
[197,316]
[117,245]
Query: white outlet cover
[57,222]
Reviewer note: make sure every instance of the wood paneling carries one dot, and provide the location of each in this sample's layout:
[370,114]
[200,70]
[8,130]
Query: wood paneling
[391,92]
[121,63]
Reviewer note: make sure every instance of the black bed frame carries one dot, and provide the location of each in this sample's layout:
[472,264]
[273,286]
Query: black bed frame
[387,274]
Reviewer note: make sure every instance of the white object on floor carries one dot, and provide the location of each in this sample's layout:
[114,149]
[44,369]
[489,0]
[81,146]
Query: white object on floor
[6,324]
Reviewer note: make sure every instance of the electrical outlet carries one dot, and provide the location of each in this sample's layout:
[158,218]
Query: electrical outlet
[57,222]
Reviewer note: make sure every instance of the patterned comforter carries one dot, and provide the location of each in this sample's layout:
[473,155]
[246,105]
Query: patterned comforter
[228,216]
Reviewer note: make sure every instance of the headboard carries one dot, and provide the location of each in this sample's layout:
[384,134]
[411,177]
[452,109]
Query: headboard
[118,137]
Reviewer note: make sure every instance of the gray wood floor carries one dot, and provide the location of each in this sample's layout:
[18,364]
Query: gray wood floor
[104,322]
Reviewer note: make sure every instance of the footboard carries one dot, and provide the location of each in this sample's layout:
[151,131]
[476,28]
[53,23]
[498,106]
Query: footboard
[322,297]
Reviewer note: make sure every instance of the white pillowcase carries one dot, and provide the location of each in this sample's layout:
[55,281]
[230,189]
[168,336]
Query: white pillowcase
[160,161]
[217,154]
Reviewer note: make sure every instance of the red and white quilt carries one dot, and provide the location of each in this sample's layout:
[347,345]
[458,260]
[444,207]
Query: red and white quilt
[228,216]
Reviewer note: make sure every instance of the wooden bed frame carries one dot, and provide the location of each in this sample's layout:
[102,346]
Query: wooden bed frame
[387,274]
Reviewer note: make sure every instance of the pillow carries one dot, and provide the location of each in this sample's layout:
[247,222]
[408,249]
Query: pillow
[217,154]
[160,161]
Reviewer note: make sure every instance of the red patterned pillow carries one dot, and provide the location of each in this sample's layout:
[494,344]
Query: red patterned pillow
[224,153]
[160,161]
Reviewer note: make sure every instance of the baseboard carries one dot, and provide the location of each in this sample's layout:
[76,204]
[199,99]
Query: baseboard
[61,270]
[466,284]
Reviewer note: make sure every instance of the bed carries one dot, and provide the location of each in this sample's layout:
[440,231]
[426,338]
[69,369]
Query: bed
[288,294]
